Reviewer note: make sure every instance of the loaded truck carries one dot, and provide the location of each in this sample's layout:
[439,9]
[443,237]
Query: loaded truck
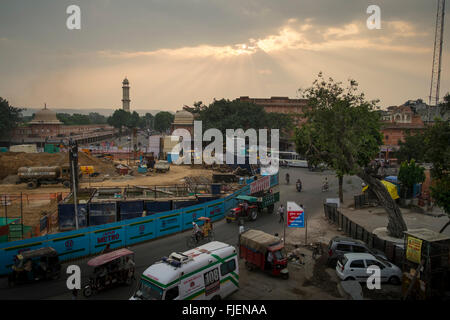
[263,251]
[36,176]
[255,206]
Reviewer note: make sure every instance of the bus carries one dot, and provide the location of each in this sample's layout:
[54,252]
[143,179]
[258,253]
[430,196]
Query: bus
[208,272]
[290,159]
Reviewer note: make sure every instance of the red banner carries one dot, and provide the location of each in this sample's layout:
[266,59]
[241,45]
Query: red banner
[260,185]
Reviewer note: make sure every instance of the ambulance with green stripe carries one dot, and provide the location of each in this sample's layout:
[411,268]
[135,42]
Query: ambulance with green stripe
[208,272]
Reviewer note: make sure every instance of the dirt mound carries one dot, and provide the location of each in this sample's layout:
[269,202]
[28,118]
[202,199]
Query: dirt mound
[10,162]
[11,179]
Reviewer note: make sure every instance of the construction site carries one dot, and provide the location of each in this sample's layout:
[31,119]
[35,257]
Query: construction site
[113,189]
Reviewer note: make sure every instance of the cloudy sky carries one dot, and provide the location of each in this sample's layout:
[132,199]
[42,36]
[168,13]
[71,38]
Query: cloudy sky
[175,52]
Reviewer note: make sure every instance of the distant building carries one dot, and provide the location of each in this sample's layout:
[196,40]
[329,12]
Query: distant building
[293,107]
[126,95]
[397,121]
[427,113]
[183,120]
[46,128]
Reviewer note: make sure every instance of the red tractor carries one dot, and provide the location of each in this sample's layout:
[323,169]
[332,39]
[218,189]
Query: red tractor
[254,205]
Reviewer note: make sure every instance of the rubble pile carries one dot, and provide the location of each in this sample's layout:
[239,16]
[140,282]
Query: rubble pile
[10,162]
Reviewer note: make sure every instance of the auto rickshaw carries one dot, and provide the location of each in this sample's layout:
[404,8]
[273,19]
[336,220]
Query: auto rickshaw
[35,265]
[263,251]
[207,226]
[206,234]
[110,269]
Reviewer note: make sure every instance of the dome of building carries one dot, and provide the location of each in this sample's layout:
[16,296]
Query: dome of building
[45,116]
[184,117]
[125,81]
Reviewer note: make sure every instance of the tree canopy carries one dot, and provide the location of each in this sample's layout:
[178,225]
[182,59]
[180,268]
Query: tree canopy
[163,120]
[409,174]
[225,114]
[342,130]
[10,118]
[436,141]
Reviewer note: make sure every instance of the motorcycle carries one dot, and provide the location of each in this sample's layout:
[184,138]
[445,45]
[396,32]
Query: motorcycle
[325,187]
[298,185]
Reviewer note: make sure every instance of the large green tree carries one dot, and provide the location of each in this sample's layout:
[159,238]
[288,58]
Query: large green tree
[411,148]
[225,114]
[342,129]
[10,118]
[119,119]
[163,121]
[409,174]
[436,140]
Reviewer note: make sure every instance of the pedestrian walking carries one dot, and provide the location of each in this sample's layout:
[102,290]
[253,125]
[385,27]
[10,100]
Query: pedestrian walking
[281,213]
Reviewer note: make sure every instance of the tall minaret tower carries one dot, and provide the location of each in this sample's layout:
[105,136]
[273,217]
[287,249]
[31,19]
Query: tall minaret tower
[126,95]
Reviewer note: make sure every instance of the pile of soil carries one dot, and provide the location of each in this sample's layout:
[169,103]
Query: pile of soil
[10,179]
[10,162]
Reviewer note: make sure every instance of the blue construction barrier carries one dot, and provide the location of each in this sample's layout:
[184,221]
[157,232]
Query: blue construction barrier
[93,239]
[190,215]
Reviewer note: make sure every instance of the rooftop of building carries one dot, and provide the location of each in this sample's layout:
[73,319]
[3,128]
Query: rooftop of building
[45,116]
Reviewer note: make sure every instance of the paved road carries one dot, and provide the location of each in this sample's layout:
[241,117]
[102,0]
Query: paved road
[147,253]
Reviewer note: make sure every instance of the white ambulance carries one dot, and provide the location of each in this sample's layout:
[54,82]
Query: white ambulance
[207,272]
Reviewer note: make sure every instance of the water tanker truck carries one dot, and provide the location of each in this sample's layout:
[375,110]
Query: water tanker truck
[36,176]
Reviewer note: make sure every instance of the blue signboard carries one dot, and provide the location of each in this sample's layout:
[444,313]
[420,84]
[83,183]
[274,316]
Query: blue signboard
[295,215]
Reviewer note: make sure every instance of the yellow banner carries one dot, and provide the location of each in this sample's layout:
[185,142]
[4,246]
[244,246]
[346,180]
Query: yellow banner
[414,249]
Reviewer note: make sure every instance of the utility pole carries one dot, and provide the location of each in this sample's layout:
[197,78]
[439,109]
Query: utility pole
[73,158]
[437,55]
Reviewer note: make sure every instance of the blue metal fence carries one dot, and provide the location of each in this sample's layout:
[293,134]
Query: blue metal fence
[91,240]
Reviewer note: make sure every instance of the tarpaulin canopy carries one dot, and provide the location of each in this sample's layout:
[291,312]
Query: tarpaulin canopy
[391,188]
[258,240]
[108,257]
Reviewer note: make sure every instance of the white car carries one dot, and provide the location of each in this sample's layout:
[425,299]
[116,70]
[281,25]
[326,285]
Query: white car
[353,266]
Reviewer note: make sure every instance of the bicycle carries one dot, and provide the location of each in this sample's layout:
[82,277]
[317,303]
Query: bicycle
[192,240]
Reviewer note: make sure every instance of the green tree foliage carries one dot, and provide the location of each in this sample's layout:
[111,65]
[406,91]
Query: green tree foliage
[409,174]
[74,119]
[147,121]
[10,118]
[412,148]
[163,121]
[97,118]
[132,120]
[437,144]
[119,119]
[342,129]
[225,114]
[445,105]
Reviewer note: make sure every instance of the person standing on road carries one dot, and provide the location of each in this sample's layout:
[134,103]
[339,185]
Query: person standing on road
[281,213]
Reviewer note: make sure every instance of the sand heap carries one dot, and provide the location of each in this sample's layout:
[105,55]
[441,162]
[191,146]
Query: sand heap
[10,162]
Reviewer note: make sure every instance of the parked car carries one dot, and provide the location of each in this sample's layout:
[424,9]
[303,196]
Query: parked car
[353,266]
[341,245]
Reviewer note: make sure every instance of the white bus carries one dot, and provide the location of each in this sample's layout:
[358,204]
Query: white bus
[290,159]
[208,272]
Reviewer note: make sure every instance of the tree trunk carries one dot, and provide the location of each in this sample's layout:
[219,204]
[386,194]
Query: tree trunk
[396,224]
[341,192]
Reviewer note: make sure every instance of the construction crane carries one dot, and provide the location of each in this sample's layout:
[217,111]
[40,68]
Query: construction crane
[437,54]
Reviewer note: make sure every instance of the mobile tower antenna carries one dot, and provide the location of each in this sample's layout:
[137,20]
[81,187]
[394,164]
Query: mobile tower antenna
[437,54]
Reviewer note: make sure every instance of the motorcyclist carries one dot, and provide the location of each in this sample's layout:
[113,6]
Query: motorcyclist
[299,185]
[287,178]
